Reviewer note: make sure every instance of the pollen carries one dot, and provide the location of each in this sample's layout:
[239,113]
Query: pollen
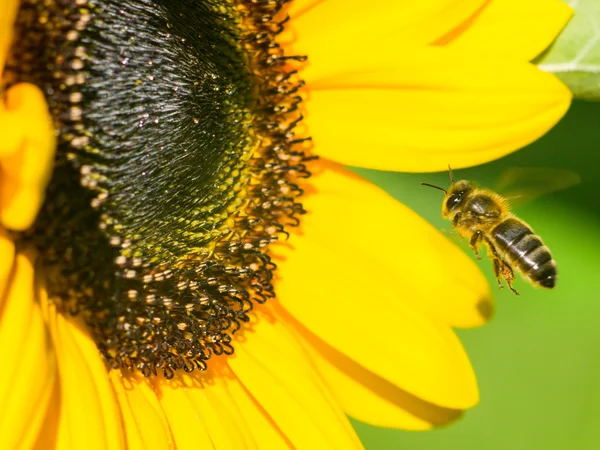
[180,162]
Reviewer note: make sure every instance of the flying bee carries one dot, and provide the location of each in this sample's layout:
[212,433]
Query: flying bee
[484,217]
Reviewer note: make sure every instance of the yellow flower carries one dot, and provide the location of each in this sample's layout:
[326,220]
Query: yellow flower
[367,291]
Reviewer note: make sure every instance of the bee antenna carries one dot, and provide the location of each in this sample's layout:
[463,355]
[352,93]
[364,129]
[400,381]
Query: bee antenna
[451,174]
[434,186]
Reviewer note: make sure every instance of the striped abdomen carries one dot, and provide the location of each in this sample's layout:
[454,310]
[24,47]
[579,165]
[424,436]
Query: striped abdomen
[526,252]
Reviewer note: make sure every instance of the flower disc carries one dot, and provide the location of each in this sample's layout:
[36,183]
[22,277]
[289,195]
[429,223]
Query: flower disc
[176,167]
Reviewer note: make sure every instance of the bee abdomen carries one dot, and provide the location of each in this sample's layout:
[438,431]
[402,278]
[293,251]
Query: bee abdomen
[526,252]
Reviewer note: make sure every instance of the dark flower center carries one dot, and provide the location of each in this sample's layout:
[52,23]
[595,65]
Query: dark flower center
[177,166]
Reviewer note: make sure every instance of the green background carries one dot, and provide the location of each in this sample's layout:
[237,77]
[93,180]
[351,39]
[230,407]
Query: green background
[538,360]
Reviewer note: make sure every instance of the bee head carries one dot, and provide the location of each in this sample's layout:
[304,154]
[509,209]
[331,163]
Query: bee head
[455,196]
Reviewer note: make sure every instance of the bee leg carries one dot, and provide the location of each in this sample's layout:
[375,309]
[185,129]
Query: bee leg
[456,219]
[509,276]
[498,264]
[474,241]
[501,268]
[497,272]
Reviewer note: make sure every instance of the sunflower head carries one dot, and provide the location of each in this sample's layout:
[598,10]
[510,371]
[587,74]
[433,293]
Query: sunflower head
[177,166]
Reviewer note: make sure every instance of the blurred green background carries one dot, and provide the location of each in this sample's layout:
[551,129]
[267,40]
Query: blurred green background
[538,361]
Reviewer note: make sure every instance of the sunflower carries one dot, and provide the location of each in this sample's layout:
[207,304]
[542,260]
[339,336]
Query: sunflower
[156,161]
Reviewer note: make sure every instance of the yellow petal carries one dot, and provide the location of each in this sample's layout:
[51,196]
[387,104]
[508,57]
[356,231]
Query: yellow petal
[404,346]
[340,26]
[352,218]
[359,275]
[47,438]
[274,368]
[7,250]
[299,7]
[369,398]
[203,413]
[7,19]
[84,386]
[512,29]
[196,418]
[227,427]
[145,423]
[26,384]
[26,155]
[435,108]
[266,434]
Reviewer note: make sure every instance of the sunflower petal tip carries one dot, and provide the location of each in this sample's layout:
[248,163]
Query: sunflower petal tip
[565,10]
[470,397]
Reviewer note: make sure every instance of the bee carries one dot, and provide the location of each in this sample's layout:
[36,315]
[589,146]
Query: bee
[484,217]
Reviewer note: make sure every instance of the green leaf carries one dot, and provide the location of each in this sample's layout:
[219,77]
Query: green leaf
[575,55]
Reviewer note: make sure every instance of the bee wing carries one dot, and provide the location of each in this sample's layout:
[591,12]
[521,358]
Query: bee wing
[522,184]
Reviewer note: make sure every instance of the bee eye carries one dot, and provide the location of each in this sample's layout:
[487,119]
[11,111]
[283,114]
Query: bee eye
[453,200]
